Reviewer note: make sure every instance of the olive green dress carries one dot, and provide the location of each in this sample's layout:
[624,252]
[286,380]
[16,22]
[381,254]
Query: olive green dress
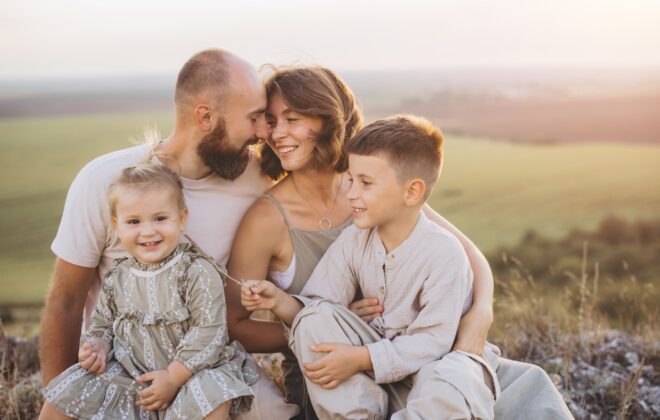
[153,315]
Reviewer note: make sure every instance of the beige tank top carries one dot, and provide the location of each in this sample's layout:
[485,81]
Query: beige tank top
[308,247]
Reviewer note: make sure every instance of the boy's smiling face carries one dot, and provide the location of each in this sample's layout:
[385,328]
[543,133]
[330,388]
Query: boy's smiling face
[376,194]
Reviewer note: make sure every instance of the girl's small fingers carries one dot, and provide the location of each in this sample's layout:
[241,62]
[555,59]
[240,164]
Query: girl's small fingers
[150,400]
[97,365]
[89,361]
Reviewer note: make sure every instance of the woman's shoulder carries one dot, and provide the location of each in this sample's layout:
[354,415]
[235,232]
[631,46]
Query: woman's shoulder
[268,212]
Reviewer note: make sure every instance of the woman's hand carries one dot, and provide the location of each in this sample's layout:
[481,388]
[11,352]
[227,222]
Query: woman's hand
[160,393]
[473,330]
[368,309]
[92,355]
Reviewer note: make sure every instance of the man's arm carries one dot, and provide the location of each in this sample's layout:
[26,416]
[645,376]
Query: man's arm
[62,317]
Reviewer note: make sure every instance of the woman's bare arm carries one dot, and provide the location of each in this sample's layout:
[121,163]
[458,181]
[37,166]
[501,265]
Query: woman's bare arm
[257,241]
[474,326]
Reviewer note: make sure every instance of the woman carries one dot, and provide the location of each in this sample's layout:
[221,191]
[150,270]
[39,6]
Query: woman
[311,113]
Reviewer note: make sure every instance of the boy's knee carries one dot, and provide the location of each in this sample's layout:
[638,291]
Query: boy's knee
[313,314]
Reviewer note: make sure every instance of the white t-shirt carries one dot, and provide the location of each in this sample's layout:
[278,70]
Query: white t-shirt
[85,236]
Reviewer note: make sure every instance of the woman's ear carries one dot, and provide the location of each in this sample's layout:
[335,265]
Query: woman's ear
[415,192]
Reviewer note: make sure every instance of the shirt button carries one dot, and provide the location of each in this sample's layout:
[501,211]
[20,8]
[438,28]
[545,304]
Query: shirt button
[382,289]
[390,258]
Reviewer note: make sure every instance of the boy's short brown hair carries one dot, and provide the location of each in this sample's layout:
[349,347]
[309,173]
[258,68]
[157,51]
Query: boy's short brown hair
[412,145]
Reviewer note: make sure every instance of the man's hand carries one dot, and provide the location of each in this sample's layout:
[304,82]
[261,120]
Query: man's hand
[92,355]
[259,294]
[473,330]
[341,362]
[160,393]
[368,309]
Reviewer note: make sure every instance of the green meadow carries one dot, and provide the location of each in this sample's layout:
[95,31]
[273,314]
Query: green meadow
[494,191]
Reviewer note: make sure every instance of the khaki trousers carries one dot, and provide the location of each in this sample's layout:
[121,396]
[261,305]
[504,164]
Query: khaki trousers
[458,386]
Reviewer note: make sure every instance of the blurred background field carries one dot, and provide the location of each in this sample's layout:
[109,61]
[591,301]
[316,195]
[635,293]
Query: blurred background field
[494,188]
[555,176]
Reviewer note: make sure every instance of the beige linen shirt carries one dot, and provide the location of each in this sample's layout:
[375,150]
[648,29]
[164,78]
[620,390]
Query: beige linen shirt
[424,285]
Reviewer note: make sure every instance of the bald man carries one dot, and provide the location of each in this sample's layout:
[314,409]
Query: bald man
[219,102]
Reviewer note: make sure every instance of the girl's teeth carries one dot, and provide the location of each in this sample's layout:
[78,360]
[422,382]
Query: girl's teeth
[287,149]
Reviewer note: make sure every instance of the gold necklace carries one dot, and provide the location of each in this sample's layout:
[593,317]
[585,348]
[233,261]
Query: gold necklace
[324,223]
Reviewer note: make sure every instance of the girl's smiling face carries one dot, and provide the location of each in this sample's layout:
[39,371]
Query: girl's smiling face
[149,222]
[291,135]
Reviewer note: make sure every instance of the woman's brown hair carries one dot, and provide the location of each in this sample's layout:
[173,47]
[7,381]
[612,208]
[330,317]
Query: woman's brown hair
[316,92]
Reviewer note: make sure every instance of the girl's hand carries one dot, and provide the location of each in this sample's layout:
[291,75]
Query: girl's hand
[259,294]
[473,330]
[368,309]
[92,355]
[160,393]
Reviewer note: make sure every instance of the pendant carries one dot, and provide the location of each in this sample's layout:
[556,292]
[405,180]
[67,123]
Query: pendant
[325,224]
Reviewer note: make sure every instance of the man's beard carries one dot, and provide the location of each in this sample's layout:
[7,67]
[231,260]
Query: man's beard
[217,154]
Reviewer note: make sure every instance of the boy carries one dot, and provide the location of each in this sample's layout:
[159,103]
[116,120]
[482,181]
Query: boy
[400,362]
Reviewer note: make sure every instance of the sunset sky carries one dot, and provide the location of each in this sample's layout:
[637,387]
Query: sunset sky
[87,38]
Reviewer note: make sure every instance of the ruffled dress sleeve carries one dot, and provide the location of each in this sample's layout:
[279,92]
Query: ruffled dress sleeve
[105,309]
[204,344]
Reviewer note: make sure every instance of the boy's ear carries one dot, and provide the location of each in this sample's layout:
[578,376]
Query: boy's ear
[415,192]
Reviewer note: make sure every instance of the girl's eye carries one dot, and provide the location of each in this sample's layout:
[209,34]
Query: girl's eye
[270,122]
[133,222]
[366,183]
[161,218]
[350,180]
[291,120]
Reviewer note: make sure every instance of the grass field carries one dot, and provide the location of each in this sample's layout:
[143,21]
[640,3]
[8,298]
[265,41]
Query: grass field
[494,191]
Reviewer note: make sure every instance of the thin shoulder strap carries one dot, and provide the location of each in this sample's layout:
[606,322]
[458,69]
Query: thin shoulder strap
[279,207]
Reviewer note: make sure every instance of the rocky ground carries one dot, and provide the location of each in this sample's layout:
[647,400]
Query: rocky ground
[601,376]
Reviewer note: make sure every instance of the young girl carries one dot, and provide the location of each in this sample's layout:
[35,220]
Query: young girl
[158,345]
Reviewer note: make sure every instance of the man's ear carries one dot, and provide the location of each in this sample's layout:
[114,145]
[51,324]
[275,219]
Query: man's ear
[202,114]
[415,192]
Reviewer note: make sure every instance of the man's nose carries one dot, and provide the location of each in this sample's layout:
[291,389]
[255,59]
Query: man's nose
[261,129]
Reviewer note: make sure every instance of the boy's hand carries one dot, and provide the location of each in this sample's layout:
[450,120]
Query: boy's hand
[160,393]
[258,294]
[368,309]
[92,355]
[341,362]
[473,330]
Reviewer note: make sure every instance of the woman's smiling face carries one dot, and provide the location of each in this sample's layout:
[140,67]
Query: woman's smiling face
[291,135]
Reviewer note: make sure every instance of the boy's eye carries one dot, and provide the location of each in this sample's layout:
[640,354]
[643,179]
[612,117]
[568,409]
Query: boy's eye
[270,122]
[291,120]
[161,218]
[133,221]
[366,183]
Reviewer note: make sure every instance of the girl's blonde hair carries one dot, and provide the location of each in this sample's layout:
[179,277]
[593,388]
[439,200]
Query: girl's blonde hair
[145,175]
